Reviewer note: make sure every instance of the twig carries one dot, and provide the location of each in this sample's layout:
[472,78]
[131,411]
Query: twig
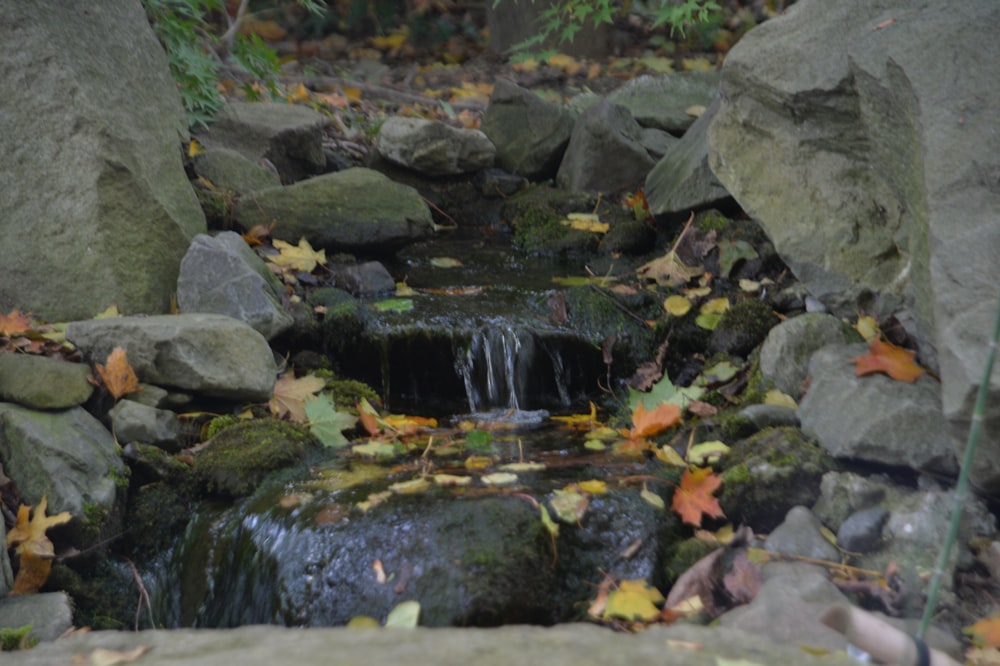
[143,596]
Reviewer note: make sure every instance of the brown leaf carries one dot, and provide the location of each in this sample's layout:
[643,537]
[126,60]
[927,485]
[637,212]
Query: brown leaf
[290,395]
[743,580]
[694,495]
[14,324]
[28,539]
[886,357]
[118,375]
[697,581]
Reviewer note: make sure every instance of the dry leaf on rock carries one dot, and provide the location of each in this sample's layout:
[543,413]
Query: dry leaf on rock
[886,357]
[633,600]
[34,549]
[299,257]
[290,395]
[118,376]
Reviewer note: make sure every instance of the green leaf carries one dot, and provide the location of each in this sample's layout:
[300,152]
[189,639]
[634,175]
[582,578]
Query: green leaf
[394,305]
[731,252]
[479,440]
[664,391]
[404,616]
[375,448]
[326,423]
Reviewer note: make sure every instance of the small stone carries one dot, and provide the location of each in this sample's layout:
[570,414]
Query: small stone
[862,531]
[801,534]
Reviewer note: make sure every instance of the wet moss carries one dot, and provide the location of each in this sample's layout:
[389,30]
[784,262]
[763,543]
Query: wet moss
[600,314]
[239,457]
[104,594]
[218,424]
[16,638]
[347,393]
[742,327]
[687,553]
[156,516]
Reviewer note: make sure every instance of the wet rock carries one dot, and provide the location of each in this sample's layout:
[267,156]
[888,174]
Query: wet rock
[134,422]
[862,531]
[742,327]
[785,354]
[289,136]
[96,206]
[151,463]
[497,183]
[366,279]
[628,237]
[822,137]
[352,210]
[70,457]
[800,534]
[221,274]
[230,170]
[43,383]
[682,179]
[662,102]
[432,147]
[210,354]
[768,474]
[605,152]
[530,134]
[50,614]
[875,418]
[770,416]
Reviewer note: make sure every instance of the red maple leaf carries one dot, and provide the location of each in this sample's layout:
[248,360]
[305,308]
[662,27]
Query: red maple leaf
[886,357]
[649,423]
[694,496]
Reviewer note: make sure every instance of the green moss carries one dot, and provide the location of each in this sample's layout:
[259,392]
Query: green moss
[347,393]
[16,638]
[687,553]
[240,456]
[157,513]
[219,423]
[713,220]
[742,327]
[103,593]
[599,315]
[121,477]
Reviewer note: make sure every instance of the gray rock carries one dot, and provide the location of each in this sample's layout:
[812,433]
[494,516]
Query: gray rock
[356,209]
[800,535]
[433,148]
[663,101]
[50,614]
[96,206]
[788,605]
[605,152]
[210,354]
[862,531]
[43,383]
[134,422]
[6,572]
[70,457]
[530,134]
[223,275]
[682,179]
[785,354]
[770,416]
[577,644]
[875,418]
[229,170]
[287,135]
[365,279]
[869,164]
[657,142]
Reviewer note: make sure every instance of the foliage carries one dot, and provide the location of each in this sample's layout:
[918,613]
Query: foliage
[118,375]
[564,18]
[36,551]
[197,54]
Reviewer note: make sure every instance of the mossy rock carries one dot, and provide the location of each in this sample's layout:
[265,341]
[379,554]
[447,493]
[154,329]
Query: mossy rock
[628,237]
[742,327]
[535,216]
[236,461]
[600,314]
[769,473]
[687,553]
[157,513]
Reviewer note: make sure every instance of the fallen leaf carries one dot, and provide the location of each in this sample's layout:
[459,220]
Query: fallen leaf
[776,397]
[118,376]
[710,313]
[326,423]
[664,391]
[677,305]
[34,549]
[593,486]
[499,479]
[669,270]
[405,615]
[650,423]
[693,497]
[586,222]
[569,506]
[411,487]
[731,252]
[105,657]
[452,480]
[394,305]
[445,262]
[580,421]
[985,632]
[290,394]
[368,417]
[651,498]
[15,323]
[633,600]
[867,327]
[706,453]
[886,357]
[299,257]
[375,448]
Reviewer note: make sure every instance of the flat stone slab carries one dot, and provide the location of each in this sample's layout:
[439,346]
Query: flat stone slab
[562,645]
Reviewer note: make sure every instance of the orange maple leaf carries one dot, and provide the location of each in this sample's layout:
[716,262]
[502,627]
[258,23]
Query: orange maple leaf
[694,496]
[985,632]
[34,548]
[14,324]
[649,423]
[886,357]
[118,376]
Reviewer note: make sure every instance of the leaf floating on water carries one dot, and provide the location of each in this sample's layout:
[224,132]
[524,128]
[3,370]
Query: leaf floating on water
[375,448]
[394,305]
[706,453]
[523,467]
[452,480]
[411,487]
[569,506]
[499,479]
[445,262]
[593,486]
[652,498]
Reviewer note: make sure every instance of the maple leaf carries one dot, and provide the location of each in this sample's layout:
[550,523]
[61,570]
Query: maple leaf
[34,548]
[290,395]
[14,324]
[694,496]
[326,423]
[886,357]
[669,270]
[633,600]
[298,258]
[118,375]
[649,423]
[985,632]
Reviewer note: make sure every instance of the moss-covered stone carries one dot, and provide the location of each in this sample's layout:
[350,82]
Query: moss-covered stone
[347,393]
[628,237]
[239,457]
[769,473]
[16,638]
[103,592]
[742,327]
[687,553]
[535,215]
[156,515]
[600,314]
[218,424]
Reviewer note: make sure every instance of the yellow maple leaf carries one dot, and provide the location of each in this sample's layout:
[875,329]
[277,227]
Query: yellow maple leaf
[118,375]
[299,257]
[633,600]
[36,552]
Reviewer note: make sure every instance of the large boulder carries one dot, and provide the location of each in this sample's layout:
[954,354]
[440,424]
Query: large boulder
[605,152]
[666,102]
[869,155]
[96,207]
[210,354]
[356,209]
